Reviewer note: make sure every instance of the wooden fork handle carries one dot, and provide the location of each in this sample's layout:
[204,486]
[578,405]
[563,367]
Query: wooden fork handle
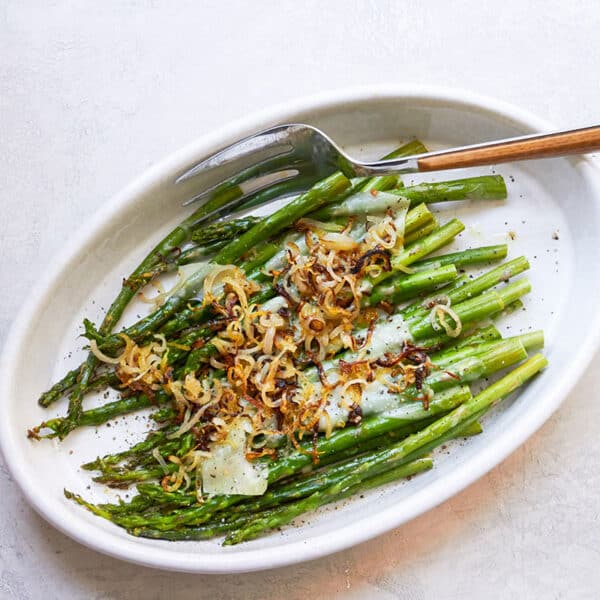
[577,141]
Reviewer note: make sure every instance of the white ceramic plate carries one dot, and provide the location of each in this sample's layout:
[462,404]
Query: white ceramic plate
[546,197]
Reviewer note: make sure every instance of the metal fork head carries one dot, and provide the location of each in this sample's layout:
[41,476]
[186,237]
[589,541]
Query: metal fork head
[271,156]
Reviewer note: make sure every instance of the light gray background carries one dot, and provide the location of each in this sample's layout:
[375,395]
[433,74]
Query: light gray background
[92,93]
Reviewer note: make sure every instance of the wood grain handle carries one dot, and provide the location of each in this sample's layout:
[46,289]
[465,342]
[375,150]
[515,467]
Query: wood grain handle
[577,141]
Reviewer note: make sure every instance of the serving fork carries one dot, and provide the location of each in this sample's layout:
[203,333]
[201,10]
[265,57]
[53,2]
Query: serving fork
[288,159]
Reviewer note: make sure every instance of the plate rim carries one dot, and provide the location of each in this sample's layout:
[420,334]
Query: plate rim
[346,535]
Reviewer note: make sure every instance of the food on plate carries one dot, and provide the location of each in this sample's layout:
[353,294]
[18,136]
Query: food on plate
[300,357]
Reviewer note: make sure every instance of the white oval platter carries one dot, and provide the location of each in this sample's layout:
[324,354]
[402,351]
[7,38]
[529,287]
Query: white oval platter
[547,199]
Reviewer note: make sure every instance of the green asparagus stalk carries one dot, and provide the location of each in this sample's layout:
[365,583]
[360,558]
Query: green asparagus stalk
[319,195]
[442,236]
[156,493]
[442,341]
[468,368]
[419,234]
[283,189]
[417,217]
[531,341]
[403,288]
[474,309]
[216,232]
[199,253]
[233,193]
[105,412]
[483,187]
[411,148]
[412,253]
[137,504]
[59,388]
[464,258]
[489,333]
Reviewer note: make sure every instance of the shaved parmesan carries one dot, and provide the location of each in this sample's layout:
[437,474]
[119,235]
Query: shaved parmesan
[390,336]
[376,398]
[368,203]
[228,471]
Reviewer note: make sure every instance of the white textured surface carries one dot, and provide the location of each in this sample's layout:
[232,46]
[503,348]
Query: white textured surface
[92,93]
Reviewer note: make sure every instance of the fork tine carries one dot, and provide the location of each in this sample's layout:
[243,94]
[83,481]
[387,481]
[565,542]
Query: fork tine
[269,192]
[243,197]
[260,169]
[270,142]
[270,164]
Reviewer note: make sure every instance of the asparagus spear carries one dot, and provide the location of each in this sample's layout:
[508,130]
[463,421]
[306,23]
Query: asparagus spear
[464,258]
[530,341]
[411,148]
[104,413]
[59,388]
[424,231]
[489,333]
[483,187]
[469,368]
[220,230]
[474,309]
[282,189]
[404,288]
[417,217]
